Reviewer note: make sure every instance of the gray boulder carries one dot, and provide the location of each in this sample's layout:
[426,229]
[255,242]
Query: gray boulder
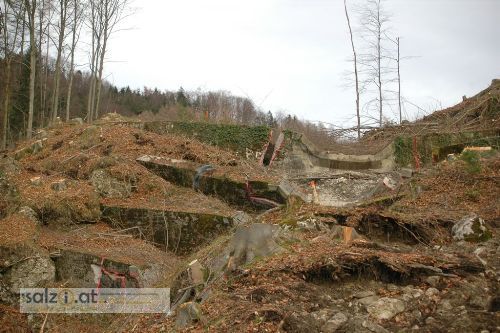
[90,137]
[187,313]
[386,308]
[472,229]
[255,240]
[248,242]
[108,186]
[34,148]
[76,121]
[374,327]
[406,172]
[59,185]
[241,218]
[9,165]
[334,323]
[31,273]
[30,214]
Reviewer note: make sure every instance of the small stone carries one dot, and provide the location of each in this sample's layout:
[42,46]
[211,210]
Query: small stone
[416,314]
[374,327]
[392,287]
[430,320]
[433,280]
[241,218]
[368,300]
[445,306]
[59,185]
[363,294]
[406,172]
[76,121]
[412,292]
[431,292]
[145,158]
[36,181]
[41,134]
[334,323]
[390,183]
[386,308]
[322,315]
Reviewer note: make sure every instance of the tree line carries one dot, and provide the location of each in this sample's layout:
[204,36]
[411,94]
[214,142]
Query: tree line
[39,80]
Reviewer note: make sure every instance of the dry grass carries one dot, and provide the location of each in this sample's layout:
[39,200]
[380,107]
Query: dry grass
[17,229]
[102,241]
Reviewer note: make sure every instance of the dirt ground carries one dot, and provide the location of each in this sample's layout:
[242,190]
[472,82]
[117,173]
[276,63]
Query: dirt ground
[365,257]
[320,283]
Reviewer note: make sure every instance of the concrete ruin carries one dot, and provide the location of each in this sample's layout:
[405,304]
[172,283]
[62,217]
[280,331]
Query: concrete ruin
[234,191]
[177,231]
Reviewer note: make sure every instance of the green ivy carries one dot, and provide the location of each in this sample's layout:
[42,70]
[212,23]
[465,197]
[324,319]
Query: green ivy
[235,137]
[472,160]
[403,151]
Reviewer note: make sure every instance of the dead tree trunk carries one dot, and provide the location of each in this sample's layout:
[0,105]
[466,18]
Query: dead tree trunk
[95,23]
[373,21]
[355,70]
[399,85]
[63,9]
[99,78]
[379,64]
[39,51]
[45,76]
[76,24]
[31,11]
[110,12]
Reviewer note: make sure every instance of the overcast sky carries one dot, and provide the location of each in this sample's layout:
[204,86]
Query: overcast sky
[291,54]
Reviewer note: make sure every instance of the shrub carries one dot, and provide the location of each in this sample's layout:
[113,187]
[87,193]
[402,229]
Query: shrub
[472,160]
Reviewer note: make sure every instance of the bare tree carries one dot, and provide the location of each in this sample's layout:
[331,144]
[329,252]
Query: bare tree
[374,23]
[104,16]
[75,33]
[355,60]
[112,12]
[398,61]
[44,21]
[30,7]
[94,24]
[10,26]
[61,31]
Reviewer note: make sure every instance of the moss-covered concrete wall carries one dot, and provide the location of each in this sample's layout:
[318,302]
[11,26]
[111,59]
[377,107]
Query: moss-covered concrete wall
[436,146]
[232,191]
[181,232]
[235,137]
